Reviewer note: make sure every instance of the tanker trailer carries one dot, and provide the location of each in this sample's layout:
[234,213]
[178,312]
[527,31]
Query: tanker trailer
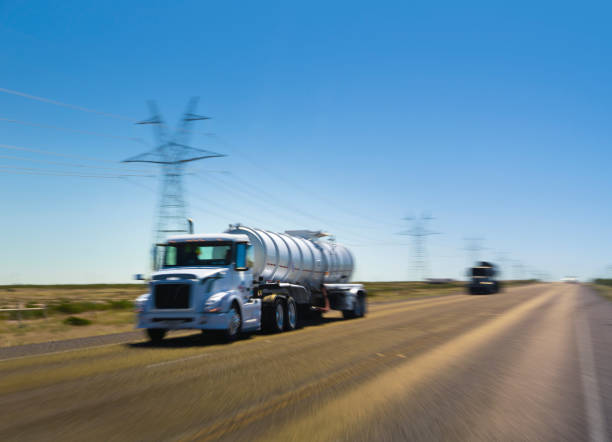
[245,280]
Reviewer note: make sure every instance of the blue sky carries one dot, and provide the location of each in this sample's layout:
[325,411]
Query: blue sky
[494,117]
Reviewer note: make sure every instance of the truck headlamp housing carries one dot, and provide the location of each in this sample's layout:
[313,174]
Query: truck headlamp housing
[213,304]
[140,303]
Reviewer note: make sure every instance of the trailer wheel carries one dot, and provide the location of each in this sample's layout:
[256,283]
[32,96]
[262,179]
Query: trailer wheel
[360,307]
[290,315]
[358,310]
[349,314]
[156,334]
[274,315]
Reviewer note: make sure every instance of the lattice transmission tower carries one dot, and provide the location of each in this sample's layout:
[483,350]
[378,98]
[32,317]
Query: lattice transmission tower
[419,233]
[172,154]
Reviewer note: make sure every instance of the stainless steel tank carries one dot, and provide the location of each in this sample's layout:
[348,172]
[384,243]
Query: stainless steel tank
[297,258]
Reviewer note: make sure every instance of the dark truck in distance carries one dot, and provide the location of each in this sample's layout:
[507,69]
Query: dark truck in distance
[482,279]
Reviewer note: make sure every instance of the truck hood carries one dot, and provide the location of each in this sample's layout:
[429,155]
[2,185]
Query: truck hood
[187,273]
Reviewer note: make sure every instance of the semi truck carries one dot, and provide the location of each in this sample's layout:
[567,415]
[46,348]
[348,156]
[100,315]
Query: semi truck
[246,280]
[482,279]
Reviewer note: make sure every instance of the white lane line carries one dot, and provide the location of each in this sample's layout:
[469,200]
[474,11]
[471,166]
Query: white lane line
[174,361]
[590,387]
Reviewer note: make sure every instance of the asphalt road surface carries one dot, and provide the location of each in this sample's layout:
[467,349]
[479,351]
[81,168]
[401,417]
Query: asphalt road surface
[530,363]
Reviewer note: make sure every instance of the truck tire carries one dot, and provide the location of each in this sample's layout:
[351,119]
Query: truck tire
[274,315]
[235,324]
[360,307]
[290,315]
[156,334]
[358,310]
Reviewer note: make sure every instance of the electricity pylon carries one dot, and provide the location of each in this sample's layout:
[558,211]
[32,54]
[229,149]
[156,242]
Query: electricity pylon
[419,233]
[171,154]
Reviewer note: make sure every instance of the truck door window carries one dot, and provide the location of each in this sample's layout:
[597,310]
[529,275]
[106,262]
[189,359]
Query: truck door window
[170,256]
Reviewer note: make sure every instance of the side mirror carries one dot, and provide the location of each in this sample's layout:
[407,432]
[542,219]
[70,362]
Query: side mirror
[241,261]
[139,277]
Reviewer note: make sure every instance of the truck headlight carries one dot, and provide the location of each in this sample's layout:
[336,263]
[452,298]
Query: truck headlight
[213,304]
[140,303]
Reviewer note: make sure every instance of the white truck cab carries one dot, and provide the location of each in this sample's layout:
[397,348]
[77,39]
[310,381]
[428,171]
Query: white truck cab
[204,283]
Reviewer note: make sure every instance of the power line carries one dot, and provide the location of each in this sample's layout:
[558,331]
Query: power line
[286,180]
[228,216]
[52,153]
[59,103]
[86,132]
[33,171]
[282,208]
[59,163]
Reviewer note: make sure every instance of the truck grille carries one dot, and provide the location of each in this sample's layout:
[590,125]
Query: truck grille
[172,296]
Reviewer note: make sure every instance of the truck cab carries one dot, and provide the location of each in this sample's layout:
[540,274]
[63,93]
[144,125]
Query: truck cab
[205,282]
[482,279]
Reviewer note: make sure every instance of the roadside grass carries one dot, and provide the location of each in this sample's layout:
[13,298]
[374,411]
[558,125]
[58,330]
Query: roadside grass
[76,320]
[396,291]
[53,327]
[603,287]
[109,307]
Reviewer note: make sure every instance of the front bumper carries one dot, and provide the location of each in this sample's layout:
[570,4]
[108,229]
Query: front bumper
[183,321]
[482,287]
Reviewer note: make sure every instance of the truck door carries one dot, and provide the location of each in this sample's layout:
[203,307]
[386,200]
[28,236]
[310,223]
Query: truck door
[251,307]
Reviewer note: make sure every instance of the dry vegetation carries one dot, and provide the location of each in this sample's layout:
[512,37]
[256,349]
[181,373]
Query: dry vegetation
[108,307]
[74,311]
[395,291]
[603,287]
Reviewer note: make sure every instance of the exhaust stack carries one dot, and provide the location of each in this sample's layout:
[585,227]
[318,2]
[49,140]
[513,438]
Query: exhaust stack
[190,222]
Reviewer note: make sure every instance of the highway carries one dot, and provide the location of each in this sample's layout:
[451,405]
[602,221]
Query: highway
[530,363]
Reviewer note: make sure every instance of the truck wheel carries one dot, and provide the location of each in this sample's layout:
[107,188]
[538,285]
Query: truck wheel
[156,334]
[360,307]
[350,314]
[274,315]
[290,315]
[234,325]
[358,310]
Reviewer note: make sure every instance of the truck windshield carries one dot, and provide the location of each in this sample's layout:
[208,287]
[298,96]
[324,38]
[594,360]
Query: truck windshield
[481,271]
[198,254]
